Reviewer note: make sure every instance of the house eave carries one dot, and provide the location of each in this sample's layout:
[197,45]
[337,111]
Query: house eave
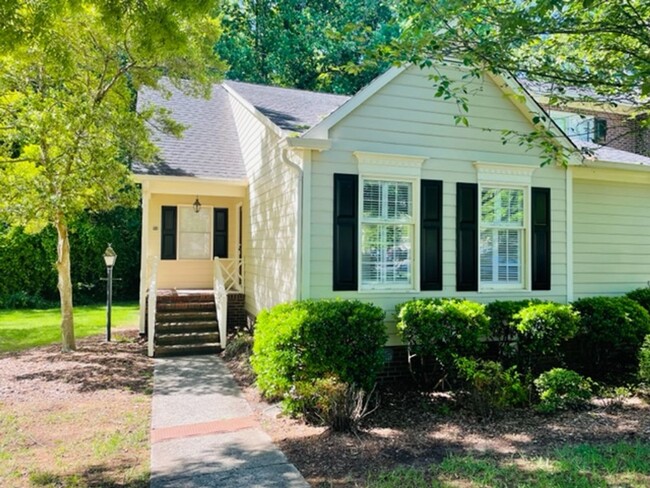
[141,178]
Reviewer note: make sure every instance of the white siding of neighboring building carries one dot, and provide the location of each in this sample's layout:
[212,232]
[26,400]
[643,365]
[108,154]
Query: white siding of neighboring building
[270,218]
[611,237]
[404,118]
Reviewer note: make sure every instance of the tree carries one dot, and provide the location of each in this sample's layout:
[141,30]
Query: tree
[69,74]
[582,50]
[319,45]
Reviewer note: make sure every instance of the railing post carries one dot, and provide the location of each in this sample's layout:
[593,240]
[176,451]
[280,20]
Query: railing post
[220,302]
[152,297]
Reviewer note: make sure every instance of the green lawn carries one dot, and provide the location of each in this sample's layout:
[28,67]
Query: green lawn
[581,466]
[21,329]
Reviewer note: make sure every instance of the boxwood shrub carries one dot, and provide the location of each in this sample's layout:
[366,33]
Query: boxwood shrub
[503,326]
[306,340]
[561,389]
[610,336]
[644,361]
[641,296]
[443,328]
[541,329]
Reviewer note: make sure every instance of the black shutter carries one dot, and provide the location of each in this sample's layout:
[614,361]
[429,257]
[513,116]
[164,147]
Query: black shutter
[168,233]
[467,237]
[431,235]
[541,234]
[346,228]
[220,233]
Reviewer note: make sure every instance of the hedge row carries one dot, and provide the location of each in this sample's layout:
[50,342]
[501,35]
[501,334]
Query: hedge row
[28,277]
[599,336]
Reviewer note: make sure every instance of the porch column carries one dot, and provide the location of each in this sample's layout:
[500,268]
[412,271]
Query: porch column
[144,251]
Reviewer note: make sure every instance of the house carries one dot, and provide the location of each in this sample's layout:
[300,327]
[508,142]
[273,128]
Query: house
[380,197]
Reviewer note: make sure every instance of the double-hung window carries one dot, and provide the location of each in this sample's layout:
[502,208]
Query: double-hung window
[502,236]
[387,234]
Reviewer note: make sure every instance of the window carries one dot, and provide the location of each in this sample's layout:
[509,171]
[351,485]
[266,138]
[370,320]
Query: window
[387,230]
[502,230]
[194,229]
[581,127]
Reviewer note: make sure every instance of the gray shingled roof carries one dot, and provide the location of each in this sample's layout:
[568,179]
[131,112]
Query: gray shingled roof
[209,146]
[611,155]
[291,110]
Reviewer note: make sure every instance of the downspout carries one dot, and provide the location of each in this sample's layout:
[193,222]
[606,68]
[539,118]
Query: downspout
[286,158]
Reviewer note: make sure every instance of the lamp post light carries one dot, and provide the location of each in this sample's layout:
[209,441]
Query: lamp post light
[110,256]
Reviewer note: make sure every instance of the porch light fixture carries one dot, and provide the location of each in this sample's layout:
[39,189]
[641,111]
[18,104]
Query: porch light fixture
[110,256]
[197,205]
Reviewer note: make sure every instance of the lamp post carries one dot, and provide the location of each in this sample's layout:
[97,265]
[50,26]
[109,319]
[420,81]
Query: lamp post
[110,256]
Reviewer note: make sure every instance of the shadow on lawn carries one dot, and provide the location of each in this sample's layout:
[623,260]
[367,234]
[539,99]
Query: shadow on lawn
[97,475]
[96,365]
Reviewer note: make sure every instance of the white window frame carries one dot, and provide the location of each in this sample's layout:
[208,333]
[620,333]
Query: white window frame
[494,175]
[413,223]
[210,210]
[525,248]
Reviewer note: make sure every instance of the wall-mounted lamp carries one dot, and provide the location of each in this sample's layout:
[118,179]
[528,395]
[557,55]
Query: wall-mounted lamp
[197,205]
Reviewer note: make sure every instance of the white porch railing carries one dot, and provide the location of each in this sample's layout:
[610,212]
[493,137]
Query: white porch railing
[220,300]
[152,295]
[233,274]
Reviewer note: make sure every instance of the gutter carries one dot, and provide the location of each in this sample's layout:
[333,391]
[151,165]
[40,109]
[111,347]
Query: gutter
[298,163]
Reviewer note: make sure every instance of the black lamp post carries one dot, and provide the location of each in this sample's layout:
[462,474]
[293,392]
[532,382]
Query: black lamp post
[110,256]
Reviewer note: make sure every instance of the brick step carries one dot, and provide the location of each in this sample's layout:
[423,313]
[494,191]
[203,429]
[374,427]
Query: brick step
[187,338]
[185,316]
[180,297]
[186,350]
[207,306]
[187,327]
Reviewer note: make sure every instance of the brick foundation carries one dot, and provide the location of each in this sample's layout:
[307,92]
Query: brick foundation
[237,316]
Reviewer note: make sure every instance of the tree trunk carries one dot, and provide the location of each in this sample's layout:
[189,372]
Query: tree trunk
[65,284]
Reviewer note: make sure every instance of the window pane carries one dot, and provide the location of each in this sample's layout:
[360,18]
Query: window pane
[486,247]
[502,207]
[194,233]
[387,200]
[386,254]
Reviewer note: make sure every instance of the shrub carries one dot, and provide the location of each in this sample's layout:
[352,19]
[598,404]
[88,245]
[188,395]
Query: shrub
[307,340]
[503,332]
[608,341]
[491,387]
[443,328]
[541,329]
[239,345]
[561,389]
[641,296]
[644,361]
[328,401]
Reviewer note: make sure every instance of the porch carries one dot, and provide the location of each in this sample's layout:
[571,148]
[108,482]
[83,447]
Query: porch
[193,321]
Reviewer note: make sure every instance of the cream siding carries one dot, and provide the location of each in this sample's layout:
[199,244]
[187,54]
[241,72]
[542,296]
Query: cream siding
[404,118]
[188,273]
[270,218]
[611,237]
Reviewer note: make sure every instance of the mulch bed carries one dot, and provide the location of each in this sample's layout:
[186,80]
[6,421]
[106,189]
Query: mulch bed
[418,429]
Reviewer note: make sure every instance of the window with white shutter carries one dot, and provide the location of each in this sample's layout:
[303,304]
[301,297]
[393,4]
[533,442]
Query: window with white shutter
[502,231]
[387,232]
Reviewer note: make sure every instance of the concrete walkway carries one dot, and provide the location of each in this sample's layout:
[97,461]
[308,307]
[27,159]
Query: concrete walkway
[203,432]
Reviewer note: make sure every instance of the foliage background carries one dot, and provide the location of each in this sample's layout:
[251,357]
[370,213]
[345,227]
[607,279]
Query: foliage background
[28,276]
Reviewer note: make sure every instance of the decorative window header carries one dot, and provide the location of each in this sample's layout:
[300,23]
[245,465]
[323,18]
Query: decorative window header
[389,164]
[504,173]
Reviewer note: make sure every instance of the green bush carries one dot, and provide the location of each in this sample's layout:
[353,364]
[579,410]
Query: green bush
[644,361]
[311,339]
[641,296]
[443,328]
[561,389]
[541,329]
[35,254]
[607,344]
[491,387]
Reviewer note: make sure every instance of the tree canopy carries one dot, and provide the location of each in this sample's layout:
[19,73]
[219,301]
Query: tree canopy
[69,75]
[323,45]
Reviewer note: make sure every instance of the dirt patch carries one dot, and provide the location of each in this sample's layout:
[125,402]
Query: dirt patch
[419,429]
[78,419]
